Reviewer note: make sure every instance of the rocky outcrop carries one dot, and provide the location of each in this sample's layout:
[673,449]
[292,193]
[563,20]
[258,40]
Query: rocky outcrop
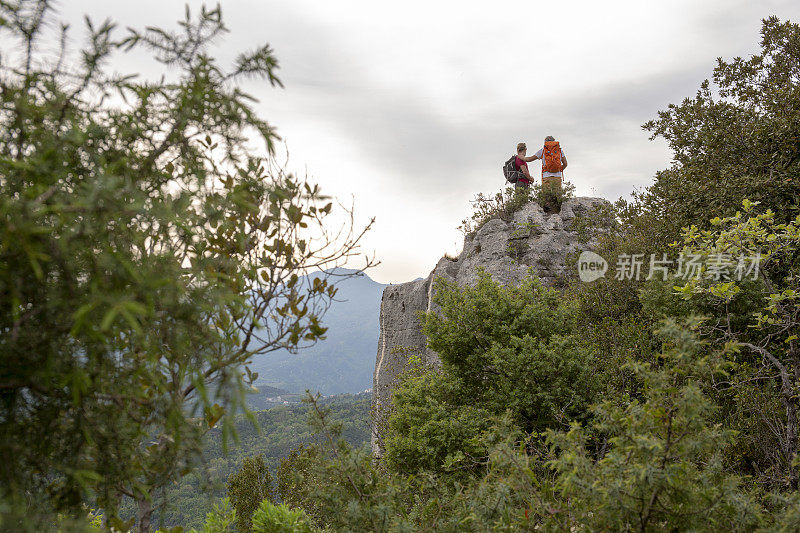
[507,250]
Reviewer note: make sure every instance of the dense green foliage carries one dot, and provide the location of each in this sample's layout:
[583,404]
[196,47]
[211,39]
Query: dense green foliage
[757,317]
[503,349]
[160,255]
[271,518]
[655,459]
[737,138]
[663,465]
[221,519]
[667,404]
[147,253]
[247,488]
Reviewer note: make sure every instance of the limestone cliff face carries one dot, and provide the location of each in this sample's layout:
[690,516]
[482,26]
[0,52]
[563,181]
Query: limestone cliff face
[504,249]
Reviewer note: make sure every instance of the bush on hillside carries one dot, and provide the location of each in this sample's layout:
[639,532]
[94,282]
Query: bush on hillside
[272,518]
[511,350]
[504,204]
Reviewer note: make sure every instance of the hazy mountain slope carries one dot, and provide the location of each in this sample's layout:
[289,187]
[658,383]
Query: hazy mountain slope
[344,361]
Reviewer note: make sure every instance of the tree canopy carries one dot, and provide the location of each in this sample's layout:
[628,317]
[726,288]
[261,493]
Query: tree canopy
[149,249]
[738,137]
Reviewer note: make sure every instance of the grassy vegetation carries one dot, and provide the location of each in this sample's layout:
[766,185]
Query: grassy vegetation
[504,204]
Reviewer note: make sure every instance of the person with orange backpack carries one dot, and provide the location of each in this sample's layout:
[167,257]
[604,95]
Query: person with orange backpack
[554,161]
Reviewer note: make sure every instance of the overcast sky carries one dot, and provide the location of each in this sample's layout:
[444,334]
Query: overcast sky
[408,109]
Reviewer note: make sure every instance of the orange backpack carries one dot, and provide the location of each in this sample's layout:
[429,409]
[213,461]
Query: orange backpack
[551,157]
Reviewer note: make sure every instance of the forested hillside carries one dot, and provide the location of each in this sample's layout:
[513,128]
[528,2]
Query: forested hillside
[277,432]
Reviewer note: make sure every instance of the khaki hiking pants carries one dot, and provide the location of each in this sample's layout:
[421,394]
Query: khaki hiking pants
[553,182]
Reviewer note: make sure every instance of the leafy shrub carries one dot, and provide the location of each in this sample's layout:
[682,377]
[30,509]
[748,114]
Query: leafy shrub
[504,350]
[511,347]
[661,465]
[430,430]
[504,204]
[550,197]
[296,479]
[600,220]
[149,235]
[271,518]
[251,484]
[221,519]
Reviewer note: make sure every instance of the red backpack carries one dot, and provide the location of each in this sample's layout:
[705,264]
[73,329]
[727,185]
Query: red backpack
[551,157]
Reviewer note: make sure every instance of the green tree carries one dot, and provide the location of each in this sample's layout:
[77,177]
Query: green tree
[147,254]
[221,519]
[271,518]
[340,487]
[296,477]
[756,313]
[247,488]
[656,460]
[503,349]
[429,431]
[511,347]
[656,463]
[662,468]
[737,138]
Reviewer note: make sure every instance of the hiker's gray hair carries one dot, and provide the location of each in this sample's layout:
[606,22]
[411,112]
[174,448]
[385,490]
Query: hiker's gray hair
[549,138]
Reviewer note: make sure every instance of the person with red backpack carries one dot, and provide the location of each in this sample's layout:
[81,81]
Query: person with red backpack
[554,161]
[521,164]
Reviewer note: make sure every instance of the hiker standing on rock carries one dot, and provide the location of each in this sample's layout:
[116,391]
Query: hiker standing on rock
[554,161]
[521,163]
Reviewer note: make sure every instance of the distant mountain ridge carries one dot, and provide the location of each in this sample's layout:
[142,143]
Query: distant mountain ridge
[341,363]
